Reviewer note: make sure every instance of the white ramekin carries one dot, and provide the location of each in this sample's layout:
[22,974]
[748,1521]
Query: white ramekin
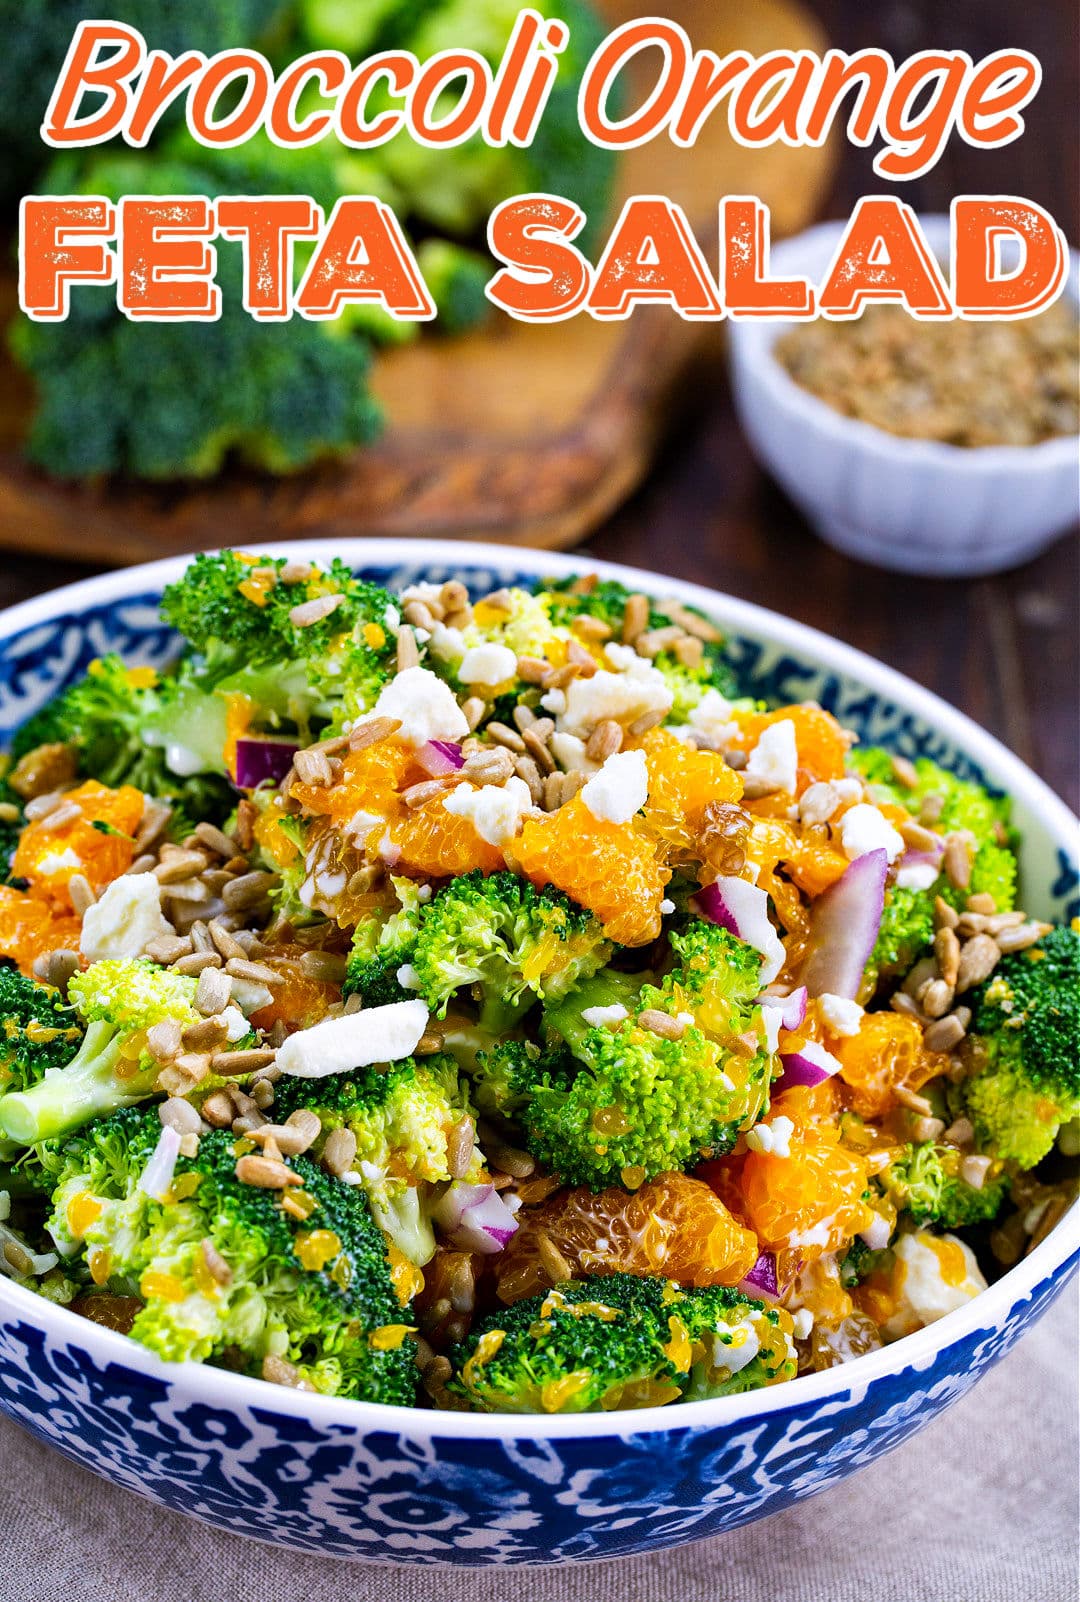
[918,506]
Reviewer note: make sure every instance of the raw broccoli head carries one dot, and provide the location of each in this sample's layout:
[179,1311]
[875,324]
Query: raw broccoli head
[118,1000]
[623,1341]
[517,943]
[628,1099]
[37,34]
[1023,1050]
[37,1030]
[925,1181]
[453,191]
[174,400]
[315,1291]
[907,928]
[401,1116]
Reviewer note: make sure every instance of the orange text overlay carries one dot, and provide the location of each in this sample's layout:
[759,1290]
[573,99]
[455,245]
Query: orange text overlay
[645,80]
[158,253]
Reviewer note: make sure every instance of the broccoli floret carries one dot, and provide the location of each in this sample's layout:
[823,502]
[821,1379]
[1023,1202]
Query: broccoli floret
[401,1117]
[118,1000]
[503,1077]
[907,928]
[905,933]
[223,1270]
[107,717]
[38,1031]
[381,946]
[1023,1050]
[628,1100]
[623,1341]
[235,614]
[517,943]
[167,400]
[925,1181]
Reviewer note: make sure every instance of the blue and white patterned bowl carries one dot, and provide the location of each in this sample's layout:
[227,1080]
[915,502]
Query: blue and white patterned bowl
[396,1485]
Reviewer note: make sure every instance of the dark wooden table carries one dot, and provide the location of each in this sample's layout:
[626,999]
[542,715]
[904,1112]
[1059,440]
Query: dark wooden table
[1003,649]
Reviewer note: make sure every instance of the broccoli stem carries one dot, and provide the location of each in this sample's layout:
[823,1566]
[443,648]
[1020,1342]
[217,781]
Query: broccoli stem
[69,1097]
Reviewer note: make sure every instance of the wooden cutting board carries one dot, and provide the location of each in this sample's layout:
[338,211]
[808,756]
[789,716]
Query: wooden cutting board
[525,434]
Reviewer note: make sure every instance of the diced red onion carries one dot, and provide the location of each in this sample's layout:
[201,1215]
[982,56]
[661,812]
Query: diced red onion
[844,924]
[919,859]
[474,1218]
[810,1065]
[792,1008]
[258,760]
[157,1176]
[743,910]
[440,757]
[762,1280]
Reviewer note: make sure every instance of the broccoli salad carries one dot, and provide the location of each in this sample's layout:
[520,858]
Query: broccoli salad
[474,1002]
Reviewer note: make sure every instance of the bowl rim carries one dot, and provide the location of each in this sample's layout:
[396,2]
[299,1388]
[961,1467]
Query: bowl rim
[752,351]
[916,1352]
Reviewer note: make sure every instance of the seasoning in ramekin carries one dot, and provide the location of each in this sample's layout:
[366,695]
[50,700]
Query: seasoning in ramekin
[963,383]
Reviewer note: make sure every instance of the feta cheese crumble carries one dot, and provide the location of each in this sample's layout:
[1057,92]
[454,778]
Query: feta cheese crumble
[918,876]
[864,829]
[839,1015]
[620,789]
[772,1138]
[604,1017]
[488,665]
[711,721]
[424,705]
[125,920]
[336,1046]
[623,697]
[496,811]
[774,761]
[937,1274]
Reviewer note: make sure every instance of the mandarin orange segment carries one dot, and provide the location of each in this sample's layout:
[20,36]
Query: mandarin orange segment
[674,1226]
[299,1000]
[434,841]
[815,865]
[886,1053]
[49,854]
[611,868]
[683,782]
[820,742]
[31,926]
[371,781]
[810,1201]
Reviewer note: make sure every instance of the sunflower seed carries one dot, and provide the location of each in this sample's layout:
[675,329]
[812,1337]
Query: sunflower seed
[339,1151]
[604,741]
[472,710]
[502,734]
[1019,939]
[371,732]
[635,618]
[957,860]
[266,1173]
[944,1033]
[947,952]
[309,612]
[247,890]
[978,959]
[460,1144]
[178,1114]
[213,992]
